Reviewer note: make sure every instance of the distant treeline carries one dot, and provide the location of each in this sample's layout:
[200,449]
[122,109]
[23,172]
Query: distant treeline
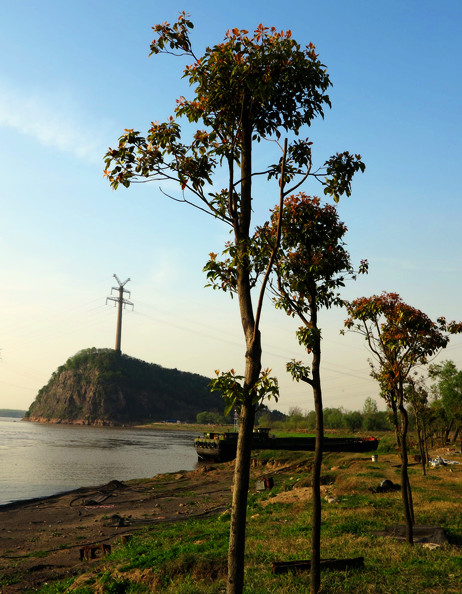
[216,418]
[10,412]
[369,419]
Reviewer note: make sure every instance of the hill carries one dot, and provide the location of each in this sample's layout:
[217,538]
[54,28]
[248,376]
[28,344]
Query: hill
[11,412]
[101,387]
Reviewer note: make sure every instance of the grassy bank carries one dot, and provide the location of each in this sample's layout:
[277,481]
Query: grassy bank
[190,427]
[189,556]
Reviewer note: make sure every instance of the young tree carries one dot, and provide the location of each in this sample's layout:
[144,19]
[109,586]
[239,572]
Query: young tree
[311,266]
[417,396]
[372,417]
[370,407]
[448,388]
[247,88]
[400,338]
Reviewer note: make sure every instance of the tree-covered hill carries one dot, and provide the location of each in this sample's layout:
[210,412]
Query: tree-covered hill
[11,412]
[102,387]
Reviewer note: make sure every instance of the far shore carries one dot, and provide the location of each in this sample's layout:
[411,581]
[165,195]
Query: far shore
[158,425]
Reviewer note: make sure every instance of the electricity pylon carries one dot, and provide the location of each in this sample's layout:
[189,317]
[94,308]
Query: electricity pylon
[122,302]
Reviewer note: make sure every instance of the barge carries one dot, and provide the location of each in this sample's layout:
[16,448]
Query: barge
[222,446]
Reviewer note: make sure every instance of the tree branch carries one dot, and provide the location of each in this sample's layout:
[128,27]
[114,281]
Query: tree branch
[276,246]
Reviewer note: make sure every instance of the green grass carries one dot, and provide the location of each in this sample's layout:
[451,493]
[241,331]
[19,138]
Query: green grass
[9,580]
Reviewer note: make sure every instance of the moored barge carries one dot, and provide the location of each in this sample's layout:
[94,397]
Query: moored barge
[222,446]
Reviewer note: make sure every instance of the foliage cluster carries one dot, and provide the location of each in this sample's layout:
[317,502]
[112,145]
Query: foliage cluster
[263,417]
[212,418]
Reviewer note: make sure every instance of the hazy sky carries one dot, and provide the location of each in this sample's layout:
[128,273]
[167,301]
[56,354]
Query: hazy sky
[75,74]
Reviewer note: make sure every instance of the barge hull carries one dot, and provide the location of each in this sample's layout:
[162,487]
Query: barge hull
[223,450]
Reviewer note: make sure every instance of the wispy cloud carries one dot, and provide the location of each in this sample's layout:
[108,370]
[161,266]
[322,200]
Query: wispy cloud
[54,119]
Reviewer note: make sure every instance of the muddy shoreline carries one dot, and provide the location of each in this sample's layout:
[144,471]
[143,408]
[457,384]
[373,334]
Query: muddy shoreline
[41,539]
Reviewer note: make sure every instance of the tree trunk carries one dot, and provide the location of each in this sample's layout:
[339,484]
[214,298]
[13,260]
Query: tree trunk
[315,573]
[241,223]
[236,549]
[421,436]
[406,492]
[455,436]
[394,411]
[427,456]
[426,437]
[448,431]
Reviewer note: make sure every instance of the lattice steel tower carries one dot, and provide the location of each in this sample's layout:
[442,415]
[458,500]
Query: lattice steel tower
[121,302]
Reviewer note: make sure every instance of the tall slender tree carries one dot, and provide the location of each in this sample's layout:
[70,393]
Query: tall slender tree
[311,266]
[400,338]
[247,88]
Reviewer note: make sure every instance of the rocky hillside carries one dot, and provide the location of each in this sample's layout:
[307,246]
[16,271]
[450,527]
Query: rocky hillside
[100,387]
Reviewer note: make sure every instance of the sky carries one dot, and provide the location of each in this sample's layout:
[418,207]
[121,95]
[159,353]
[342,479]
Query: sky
[74,75]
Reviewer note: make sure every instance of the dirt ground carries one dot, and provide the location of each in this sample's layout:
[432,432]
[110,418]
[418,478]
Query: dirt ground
[42,540]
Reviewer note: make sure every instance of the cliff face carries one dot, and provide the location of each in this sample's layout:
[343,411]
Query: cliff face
[100,387]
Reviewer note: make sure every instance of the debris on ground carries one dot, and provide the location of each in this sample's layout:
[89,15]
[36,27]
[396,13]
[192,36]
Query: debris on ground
[264,484]
[117,520]
[330,499]
[386,486]
[439,461]
[434,535]
[305,565]
[94,551]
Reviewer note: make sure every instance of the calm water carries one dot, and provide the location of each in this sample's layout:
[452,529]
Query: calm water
[37,460]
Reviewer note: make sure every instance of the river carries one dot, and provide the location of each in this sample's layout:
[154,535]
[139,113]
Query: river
[37,460]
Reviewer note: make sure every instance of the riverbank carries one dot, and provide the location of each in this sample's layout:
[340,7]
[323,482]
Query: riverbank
[41,539]
[176,526]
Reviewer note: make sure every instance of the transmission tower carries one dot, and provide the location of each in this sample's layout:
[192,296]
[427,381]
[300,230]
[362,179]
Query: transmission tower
[121,304]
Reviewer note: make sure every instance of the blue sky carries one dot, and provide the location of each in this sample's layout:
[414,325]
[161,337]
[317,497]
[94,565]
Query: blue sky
[74,75]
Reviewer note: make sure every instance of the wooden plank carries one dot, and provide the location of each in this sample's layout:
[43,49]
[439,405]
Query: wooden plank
[94,551]
[305,565]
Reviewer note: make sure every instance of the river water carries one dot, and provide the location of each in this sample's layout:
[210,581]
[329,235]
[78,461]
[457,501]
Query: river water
[37,460]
